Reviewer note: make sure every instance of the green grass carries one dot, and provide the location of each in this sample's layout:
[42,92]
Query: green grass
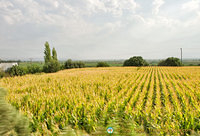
[117,63]
[28,63]
[87,63]
[191,62]
[112,63]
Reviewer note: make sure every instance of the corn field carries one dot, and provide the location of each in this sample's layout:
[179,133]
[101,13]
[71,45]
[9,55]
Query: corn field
[146,100]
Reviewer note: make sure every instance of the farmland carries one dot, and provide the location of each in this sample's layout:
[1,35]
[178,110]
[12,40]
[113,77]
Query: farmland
[114,63]
[132,100]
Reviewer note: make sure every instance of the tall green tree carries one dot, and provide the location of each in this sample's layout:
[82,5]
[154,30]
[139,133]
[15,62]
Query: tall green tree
[54,54]
[47,53]
[51,62]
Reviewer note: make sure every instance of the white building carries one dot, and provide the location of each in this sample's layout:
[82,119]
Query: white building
[5,66]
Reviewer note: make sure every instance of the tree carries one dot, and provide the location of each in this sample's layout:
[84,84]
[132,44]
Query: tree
[47,53]
[102,64]
[54,54]
[135,61]
[69,64]
[51,62]
[32,69]
[16,71]
[52,66]
[80,64]
[171,61]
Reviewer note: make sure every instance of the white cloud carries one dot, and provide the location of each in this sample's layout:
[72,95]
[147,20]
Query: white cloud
[191,8]
[117,7]
[156,6]
[11,15]
[5,4]
[56,4]
[192,5]
[95,5]
[97,25]
[114,7]
[49,11]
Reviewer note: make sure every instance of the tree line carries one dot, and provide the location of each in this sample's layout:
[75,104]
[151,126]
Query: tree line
[51,64]
[139,61]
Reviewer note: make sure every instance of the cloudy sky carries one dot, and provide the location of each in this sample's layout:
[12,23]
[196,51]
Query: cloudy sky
[100,29]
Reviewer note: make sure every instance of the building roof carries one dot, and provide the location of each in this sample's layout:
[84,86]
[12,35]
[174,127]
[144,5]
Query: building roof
[5,66]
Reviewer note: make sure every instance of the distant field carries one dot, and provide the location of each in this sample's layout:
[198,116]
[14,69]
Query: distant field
[87,63]
[117,63]
[153,100]
[191,62]
[25,64]
[113,63]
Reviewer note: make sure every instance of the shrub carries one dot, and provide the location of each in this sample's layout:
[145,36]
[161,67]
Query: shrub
[62,66]
[135,61]
[75,65]
[171,61]
[52,66]
[80,64]
[102,64]
[70,64]
[32,69]
[16,71]
[3,74]
[11,122]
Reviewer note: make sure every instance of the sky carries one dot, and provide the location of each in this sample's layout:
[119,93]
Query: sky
[99,29]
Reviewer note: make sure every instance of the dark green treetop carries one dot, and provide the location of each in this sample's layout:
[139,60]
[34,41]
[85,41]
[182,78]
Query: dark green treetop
[54,54]
[47,53]
[135,61]
[171,61]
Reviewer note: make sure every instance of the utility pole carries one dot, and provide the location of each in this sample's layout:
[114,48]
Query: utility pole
[181,56]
